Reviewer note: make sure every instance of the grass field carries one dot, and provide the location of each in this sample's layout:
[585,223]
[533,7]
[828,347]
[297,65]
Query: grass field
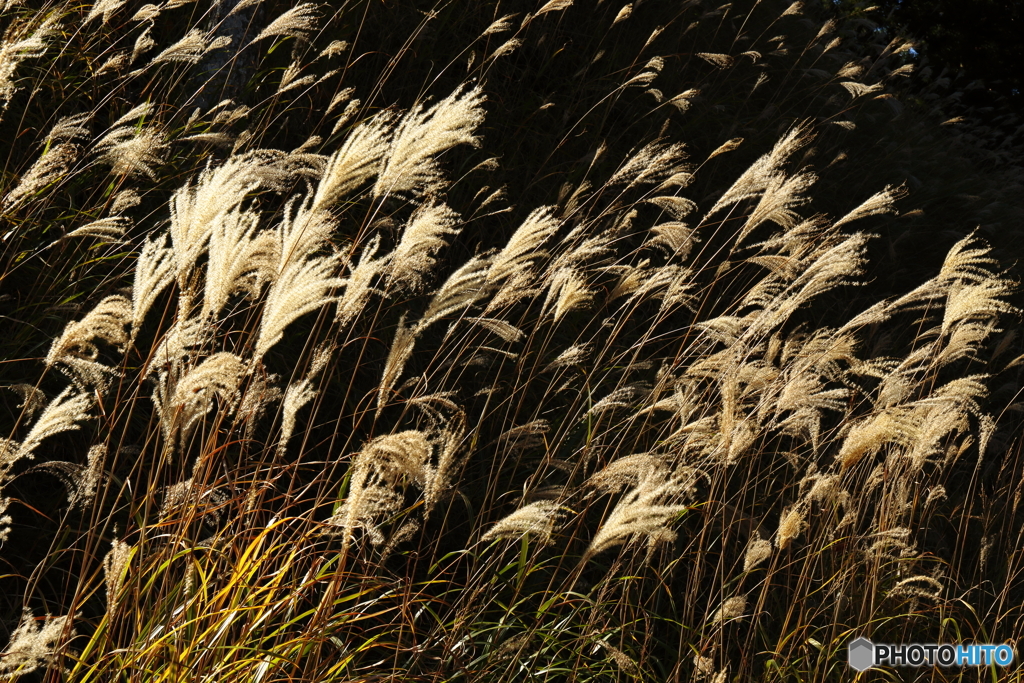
[499,341]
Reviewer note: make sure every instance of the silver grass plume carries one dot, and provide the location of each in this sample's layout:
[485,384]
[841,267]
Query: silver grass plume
[128,151]
[523,248]
[216,377]
[755,179]
[758,550]
[15,49]
[104,8]
[143,44]
[398,356]
[48,168]
[358,283]
[357,161]
[241,258]
[732,608]
[298,394]
[424,133]
[124,200]
[192,48]
[115,564]
[154,270]
[628,472]
[147,12]
[424,235]
[70,128]
[984,301]
[182,340]
[63,414]
[111,229]
[295,23]
[33,645]
[834,266]
[301,288]
[891,425]
[643,513]
[33,399]
[654,163]
[106,322]
[195,206]
[505,330]
[463,288]
[536,520]
[301,233]
[5,519]
[376,471]
[882,202]
[567,292]
[791,525]
[778,199]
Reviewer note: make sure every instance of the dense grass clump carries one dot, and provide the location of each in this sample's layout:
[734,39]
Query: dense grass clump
[491,341]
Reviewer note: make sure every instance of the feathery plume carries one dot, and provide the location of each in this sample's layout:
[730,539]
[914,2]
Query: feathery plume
[296,23]
[32,646]
[5,519]
[505,330]
[357,284]
[755,179]
[128,153]
[13,51]
[143,44]
[216,377]
[48,168]
[536,520]
[63,414]
[124,200]
[424,133]
[147,12]
[778,199]
[758,550]
[302,287]
[424,235]
[104,7]
[33,399]
[154,270]
[301,233]
[982,301]
[642,513]
[114,564]
[881,202]
[499,25]
[195,206]
[654,163]
[628,471]
[568,292]
[107,322]
[358,160]
[719,60]
[791,525]
[398,356]
[112,229]
[241,258]
[462,289]
[381,465]
[70,128]
[892,425]
[191,48]
[731,609]
[523,248]
[296,396]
